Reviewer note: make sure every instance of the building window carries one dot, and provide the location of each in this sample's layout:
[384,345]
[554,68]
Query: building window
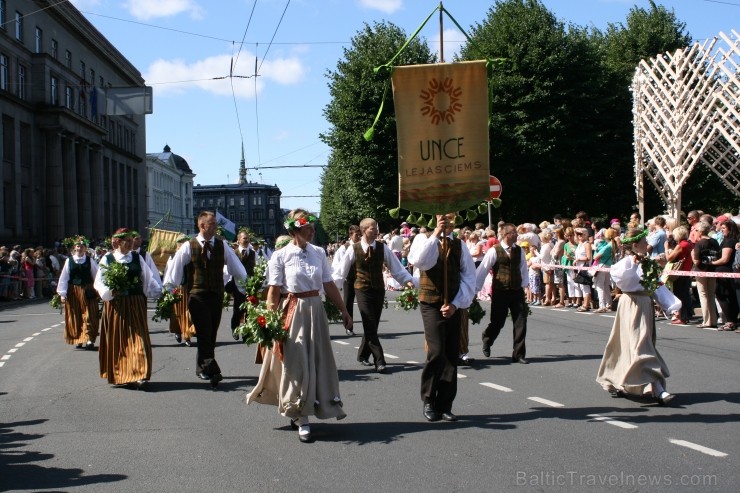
[271,214]
[210,202]
[92,77]
[257,215]
[102,82]
[83,70]
[4,82]
[19,26]
[69,98]
[231,201]
[54,90]
[218,203]
[203,202]
[272,200]
[39,40]
[68,59]
[2,15]
[257,200]
[241,216]
[241,201]
[21,91]
[54,49]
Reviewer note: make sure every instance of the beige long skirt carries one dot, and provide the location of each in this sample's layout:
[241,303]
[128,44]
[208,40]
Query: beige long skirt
[81,317]
[306,383]
[125,348]
[631,363]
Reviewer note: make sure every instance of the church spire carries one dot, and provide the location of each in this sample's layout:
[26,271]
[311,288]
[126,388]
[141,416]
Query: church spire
[242,169]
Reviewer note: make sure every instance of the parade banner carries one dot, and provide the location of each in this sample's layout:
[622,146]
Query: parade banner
[442,125]
[162,244]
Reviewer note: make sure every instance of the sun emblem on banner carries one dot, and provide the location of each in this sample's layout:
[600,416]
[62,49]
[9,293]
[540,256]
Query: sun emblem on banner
[441,101]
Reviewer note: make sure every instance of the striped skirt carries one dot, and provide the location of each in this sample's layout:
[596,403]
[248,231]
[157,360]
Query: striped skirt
[81,317]
[125,349]
[180,322]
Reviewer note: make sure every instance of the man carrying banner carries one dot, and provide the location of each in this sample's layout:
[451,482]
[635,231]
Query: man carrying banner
[447,272]
[205,257]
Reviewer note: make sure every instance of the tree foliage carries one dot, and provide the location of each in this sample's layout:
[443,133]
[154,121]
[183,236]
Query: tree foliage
[361,178]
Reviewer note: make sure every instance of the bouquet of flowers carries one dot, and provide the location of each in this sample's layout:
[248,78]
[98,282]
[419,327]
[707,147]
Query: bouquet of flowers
[56,302]
[165,308]
[476,312]
[254,285]
[332,312]
[262,326]
[115,278]
[651,271]
[408,299]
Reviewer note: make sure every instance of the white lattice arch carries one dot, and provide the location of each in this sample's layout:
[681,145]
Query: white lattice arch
[686,111]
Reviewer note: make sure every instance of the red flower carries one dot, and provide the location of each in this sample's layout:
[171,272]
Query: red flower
[409,298]
[253,300]
[176,292]
[262,321]
[302,221]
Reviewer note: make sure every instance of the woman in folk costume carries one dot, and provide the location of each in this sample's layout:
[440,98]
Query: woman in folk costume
[300,375]
[180,323]
[75,287]
[125,349]
[631,363]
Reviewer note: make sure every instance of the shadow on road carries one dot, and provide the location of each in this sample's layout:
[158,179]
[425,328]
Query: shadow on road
[21,468]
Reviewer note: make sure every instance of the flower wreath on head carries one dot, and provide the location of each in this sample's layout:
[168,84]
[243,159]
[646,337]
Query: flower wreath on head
[634,239]
[124,234]
[281,244]
[75,240]
[300,222]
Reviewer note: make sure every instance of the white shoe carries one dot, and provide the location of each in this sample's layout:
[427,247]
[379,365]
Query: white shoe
[304,433]
[664,398]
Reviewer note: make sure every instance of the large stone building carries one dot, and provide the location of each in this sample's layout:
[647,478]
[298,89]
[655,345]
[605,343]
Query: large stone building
[67,167]
[170,192]
[253,205]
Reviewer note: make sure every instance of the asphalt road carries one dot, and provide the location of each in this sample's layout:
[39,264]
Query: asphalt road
[546,426]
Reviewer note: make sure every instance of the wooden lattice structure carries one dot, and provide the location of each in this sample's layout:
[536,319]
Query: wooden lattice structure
[686,112]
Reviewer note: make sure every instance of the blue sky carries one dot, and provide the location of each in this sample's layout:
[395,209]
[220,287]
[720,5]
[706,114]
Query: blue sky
[184,49]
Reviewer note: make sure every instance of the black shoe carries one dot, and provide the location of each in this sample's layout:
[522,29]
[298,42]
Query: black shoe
[235,335]
[448,416]
[178,338]
[365,362]
[189,343]
[520,360]
[78,346]
[215,379]
[140,384]
[350,332]
[429,413]
[381,369]
[90,346]
[487,351]
[203,376]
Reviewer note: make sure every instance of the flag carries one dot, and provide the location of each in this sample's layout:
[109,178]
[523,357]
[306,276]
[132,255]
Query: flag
[442,128]
[228,227]
[162,244]
[129,101]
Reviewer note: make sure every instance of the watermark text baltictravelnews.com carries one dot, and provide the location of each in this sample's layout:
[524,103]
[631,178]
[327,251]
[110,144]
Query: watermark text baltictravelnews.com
[575,478]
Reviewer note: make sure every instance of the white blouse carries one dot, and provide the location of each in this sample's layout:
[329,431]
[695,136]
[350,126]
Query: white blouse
[299,270]
[63,283]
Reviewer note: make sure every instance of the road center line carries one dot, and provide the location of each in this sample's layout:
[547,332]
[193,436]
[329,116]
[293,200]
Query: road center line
[546,402]
[44,330]
[612,421]
[20,344]
[5,357]
[698,448]
[342,343]
[13,350]
[390,356]
[496,387]
[28,339]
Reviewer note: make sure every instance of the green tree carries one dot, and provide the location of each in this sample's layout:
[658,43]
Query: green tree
[361,178]
[545,109]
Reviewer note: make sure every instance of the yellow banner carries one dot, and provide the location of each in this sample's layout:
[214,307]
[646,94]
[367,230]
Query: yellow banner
[162,244]
[442,124]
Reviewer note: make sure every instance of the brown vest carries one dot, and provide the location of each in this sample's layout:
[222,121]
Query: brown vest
[506,273]
[206,277]
[248,261]
[369,273]
[431,282]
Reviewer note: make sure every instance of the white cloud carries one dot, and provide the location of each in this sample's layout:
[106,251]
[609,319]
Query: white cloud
[149,9]
[211,75]
[453,40]
[387,6]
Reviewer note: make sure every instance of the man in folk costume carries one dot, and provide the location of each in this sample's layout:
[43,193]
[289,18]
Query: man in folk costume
[247,256]
[348,290]
[75,287]
[446,285]
[148,260]
[367,258]
[180,324]
[510,277]
[205,258]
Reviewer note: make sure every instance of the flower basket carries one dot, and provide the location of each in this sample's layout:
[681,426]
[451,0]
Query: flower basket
[165,308]
[408,299]
[115,278]
[261,326]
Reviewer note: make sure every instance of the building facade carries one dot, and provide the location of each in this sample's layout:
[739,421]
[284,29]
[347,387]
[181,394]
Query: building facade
[170,192]
[67,167]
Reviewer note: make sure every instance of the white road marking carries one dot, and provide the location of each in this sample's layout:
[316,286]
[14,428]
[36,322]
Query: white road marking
[612,421]
[608,316]
[44,330]
[460,375]
[27,339]
[13,350]
[5,357]
[56,325]
[413,363]
[20,344]
[546,402]
[496,387]
[2,363]
[698,448]
[342,343]
[390,356]
[36,334]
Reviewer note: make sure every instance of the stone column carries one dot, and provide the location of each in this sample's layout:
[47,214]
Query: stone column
[69,159]
[84,186]
[96,180]
[54,186]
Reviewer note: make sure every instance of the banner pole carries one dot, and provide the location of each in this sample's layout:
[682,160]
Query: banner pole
[441,34]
